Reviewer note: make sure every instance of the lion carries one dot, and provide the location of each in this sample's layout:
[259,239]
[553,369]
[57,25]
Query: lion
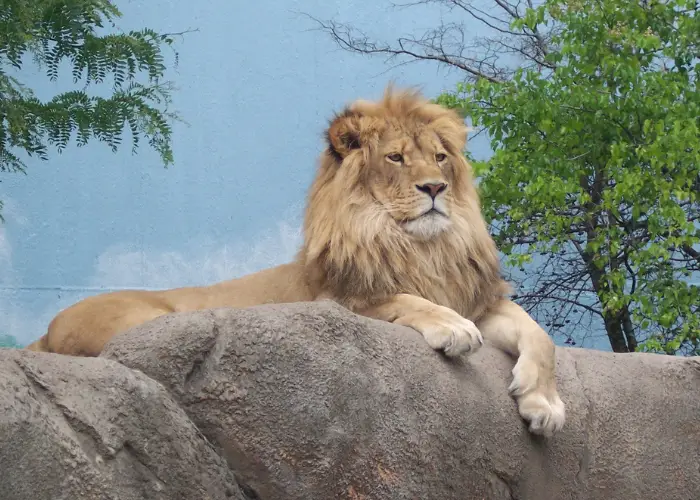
[393,230]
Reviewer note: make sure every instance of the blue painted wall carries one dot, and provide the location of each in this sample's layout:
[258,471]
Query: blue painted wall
[256,85]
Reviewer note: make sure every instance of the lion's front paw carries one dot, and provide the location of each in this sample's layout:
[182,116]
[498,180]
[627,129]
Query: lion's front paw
[545,414]
[448,331]
[538,401]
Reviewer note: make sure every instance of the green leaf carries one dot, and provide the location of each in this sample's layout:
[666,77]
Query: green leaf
[58,31]
[596,164]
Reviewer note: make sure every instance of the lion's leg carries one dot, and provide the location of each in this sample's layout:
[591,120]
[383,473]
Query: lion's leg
[512,330]
[84,328]
[40,345]
[442,328]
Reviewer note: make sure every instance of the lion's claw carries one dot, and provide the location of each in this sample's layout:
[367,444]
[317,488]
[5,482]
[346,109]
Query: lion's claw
[452,334]
[538,403]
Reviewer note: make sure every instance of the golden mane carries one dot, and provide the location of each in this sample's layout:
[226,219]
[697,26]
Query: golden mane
[353,252]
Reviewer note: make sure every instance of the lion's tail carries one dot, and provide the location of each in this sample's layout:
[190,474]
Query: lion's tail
[41,345]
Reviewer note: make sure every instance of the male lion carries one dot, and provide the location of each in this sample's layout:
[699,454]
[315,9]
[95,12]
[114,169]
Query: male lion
[393,231]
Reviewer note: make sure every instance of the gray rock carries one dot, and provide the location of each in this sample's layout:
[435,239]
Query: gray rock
[78,428]
[309,401]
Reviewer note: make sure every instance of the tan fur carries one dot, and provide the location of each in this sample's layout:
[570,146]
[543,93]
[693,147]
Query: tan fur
[370,245]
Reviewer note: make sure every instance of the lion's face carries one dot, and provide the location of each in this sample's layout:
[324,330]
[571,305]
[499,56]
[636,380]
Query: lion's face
[410,175]
[393,208]
[402,159]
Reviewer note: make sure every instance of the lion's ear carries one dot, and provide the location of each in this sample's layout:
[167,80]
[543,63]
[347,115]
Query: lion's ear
[343,134]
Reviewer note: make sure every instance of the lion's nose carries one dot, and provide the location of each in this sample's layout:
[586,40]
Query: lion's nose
[432,189]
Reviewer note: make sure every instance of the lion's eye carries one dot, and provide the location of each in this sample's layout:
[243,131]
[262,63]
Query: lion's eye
[395,157]
[440,157]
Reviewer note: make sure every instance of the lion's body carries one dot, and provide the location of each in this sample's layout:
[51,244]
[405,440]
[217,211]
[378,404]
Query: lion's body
[392,230]
[84,328]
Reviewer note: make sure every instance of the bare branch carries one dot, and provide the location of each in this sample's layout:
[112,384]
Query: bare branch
[451,43]
[691,252]
[432,47]
[558,298]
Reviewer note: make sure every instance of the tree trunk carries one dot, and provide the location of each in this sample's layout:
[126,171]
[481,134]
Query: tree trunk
[614,328]
[618,325]
[629,329]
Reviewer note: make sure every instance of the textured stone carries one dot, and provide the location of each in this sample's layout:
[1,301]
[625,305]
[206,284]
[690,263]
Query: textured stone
[81,428]
[309,401]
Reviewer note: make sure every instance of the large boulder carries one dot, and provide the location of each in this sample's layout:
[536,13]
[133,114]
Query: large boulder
[309,401]
[83,429]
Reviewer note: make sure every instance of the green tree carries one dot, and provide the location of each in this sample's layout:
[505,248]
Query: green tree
[595,130]
[54,31]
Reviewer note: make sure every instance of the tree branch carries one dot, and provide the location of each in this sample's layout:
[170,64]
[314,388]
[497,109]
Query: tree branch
[432,46]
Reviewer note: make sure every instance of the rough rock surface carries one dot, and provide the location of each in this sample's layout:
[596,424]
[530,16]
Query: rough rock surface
[83,429]
[309,401]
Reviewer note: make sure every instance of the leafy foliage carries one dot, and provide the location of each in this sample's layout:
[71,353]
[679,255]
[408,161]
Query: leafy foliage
[54,31]
[596,165]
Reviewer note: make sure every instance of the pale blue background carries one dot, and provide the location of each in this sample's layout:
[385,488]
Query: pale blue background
[256,84]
